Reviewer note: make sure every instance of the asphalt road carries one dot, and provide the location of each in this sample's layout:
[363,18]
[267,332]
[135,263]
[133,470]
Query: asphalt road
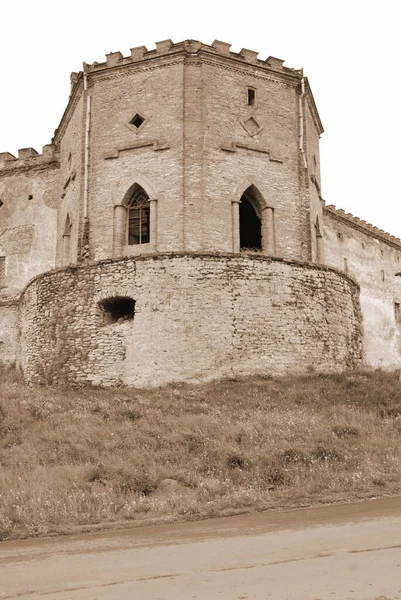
[328,553]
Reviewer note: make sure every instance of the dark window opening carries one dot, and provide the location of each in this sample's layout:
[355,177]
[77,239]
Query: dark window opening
[250,227]
[139,217]
[397,312]
[1,203]
[30,197]
[137,121]
[251,97]
[117,309]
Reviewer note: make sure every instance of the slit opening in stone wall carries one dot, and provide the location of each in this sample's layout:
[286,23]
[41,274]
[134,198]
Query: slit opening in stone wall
[250,226]
[1,203]
[117,309]
[251,96]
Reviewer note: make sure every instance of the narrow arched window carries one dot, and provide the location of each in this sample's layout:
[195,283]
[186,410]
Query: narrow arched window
[250,224]
[67,225]
[319,242]
[66,240]
[138,217]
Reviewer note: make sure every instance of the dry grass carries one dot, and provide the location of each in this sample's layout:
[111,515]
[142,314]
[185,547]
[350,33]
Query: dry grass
[79,457]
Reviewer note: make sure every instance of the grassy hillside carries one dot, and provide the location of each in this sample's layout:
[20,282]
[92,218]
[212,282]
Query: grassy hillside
[73,458]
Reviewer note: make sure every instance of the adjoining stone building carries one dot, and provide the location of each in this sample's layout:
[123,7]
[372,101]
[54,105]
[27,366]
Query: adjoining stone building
[174,230]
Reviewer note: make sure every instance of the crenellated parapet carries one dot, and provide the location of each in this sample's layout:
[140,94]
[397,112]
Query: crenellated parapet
[192,47]
[28,158]
[364,226]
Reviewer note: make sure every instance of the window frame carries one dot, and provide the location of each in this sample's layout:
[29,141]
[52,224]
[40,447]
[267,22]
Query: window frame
[250,92]
[142,207]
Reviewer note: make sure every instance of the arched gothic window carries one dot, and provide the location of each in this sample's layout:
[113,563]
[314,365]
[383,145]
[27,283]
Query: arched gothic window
[250,224]
[138,217]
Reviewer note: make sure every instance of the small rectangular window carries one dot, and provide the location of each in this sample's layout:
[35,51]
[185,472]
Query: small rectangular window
[397,312]
[345,265]
[251,96]
[383,277]
[2,271]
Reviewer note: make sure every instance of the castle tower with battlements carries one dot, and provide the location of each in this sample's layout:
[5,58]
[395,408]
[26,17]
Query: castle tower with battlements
[174,230]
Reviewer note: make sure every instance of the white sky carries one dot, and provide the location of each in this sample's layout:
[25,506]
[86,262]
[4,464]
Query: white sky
[350,51]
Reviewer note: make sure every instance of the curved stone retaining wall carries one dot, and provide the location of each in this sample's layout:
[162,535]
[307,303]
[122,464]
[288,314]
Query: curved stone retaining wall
[197,318]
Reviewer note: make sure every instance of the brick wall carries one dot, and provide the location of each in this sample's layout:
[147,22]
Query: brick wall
[198,317]
[152,155]
[196,151]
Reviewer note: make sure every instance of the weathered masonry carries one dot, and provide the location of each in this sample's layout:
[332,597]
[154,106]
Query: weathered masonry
[174,230]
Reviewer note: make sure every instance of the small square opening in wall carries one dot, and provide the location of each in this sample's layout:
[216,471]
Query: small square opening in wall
[137,121]
[251,96]
[117,309]
[30,197]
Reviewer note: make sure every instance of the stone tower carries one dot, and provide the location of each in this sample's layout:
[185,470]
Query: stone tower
[214,138]
[185,196]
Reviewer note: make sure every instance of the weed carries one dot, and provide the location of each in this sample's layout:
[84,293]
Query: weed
[344,432]
[236,461]
[82,456]
[325,454]
[292,457]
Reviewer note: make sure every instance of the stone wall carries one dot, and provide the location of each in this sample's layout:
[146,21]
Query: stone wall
[71,175]
[197,317]
[8,331]
[28,216]
[372,258]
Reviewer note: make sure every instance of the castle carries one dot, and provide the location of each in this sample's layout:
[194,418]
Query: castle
[174,230]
